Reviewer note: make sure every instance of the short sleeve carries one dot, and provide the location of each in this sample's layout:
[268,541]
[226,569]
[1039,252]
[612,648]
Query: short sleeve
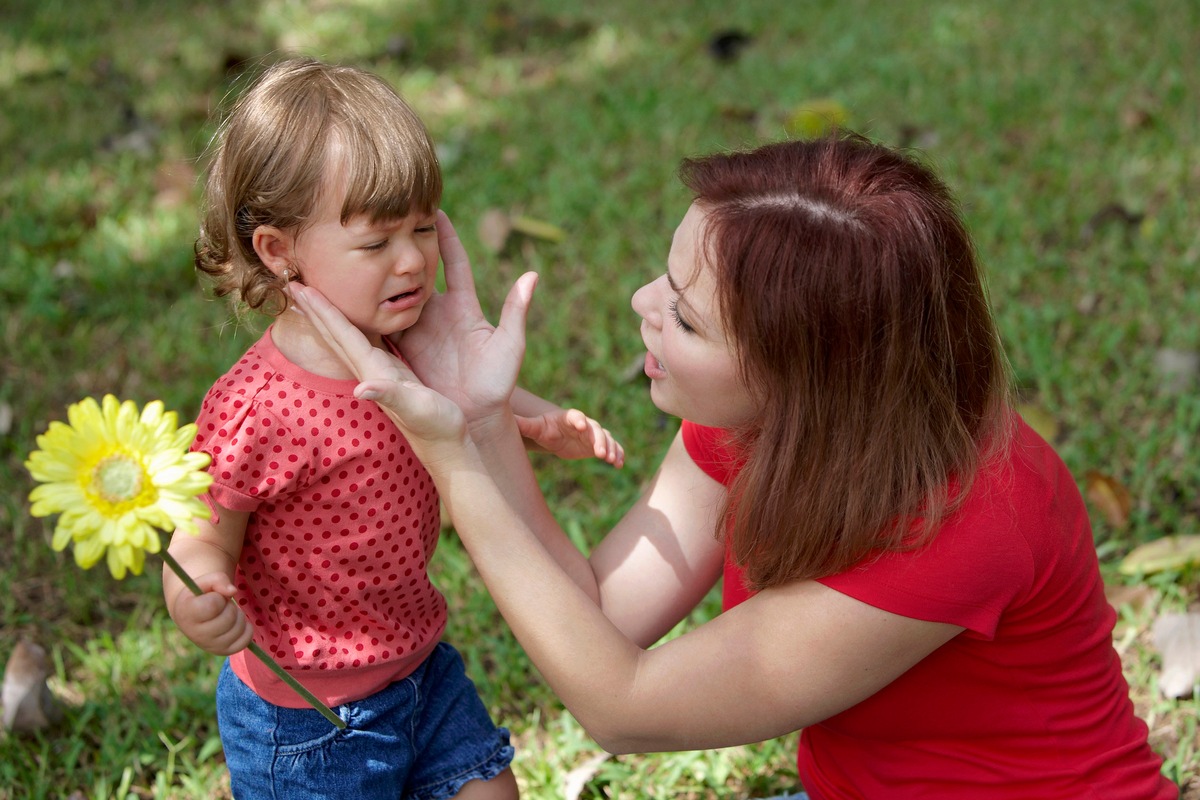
[255,456]
[712,451]
[977,565]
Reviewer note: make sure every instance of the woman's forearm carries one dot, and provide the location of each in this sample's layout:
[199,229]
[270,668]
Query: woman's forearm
[501,453]
[585,659]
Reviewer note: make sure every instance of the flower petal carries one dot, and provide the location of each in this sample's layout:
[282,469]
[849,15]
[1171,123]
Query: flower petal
[119,526]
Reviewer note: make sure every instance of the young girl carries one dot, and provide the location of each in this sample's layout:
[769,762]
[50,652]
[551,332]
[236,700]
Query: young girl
[909,573]
[324,520]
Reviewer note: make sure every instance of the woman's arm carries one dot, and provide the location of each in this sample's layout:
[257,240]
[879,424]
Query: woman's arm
[660,560]
[784,659]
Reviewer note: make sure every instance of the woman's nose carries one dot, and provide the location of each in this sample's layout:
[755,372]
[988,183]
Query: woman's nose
[645,305]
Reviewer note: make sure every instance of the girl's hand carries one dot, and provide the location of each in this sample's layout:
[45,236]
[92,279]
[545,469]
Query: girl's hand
[571,434]
[212,620]
[453,349]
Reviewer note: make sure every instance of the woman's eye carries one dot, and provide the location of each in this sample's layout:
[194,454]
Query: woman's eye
[674,308]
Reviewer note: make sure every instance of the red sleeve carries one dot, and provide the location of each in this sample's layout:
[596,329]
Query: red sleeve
[1021,521]
[712,451]
[255,457]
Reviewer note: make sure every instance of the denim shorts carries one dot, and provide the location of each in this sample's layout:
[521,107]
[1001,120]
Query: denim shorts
[423,737]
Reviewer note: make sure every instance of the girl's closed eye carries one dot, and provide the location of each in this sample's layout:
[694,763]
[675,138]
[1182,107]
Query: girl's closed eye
[376,246]
[673,306]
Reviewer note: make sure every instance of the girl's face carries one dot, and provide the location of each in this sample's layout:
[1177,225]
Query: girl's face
[691,363]
[378,275]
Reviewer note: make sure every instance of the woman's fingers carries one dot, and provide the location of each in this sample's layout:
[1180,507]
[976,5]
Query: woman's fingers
[337,331]
[516,308]
[454,257]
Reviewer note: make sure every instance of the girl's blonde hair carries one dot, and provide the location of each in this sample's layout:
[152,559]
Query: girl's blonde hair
[302,122]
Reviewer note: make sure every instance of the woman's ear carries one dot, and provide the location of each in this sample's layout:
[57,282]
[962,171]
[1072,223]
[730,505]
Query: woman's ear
[274,248]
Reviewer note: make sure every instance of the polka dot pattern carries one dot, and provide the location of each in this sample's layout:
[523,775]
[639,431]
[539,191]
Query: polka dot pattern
[344,518]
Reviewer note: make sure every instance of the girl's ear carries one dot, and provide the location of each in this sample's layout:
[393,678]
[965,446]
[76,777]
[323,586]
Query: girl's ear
[274,248]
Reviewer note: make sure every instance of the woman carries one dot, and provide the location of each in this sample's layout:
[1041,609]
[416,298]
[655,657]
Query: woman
[909,574]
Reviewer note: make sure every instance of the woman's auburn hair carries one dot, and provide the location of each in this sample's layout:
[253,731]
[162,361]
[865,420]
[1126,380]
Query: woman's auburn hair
[849,287]
[301,124]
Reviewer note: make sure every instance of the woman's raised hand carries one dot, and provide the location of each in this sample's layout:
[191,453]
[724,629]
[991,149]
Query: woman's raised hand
[454,349]
[426,417]
[462,367]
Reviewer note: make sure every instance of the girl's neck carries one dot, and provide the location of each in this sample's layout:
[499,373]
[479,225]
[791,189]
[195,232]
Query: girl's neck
[299,342]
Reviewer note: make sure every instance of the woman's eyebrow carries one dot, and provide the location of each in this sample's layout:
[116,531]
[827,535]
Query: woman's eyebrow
[697,319]
[671,282]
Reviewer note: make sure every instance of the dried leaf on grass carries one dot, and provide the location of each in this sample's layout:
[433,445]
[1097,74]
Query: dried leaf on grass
[1110,497]
[28,704]
[1169,552]
[1041,420]
[1177,639]
[493,229]
[577,779]
[174,183]
[1137,596]
[538,229]
[1178,369]
[496,228]
[1111,214]
[815,118]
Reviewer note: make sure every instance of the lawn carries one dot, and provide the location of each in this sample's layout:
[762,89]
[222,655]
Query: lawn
[1068,130]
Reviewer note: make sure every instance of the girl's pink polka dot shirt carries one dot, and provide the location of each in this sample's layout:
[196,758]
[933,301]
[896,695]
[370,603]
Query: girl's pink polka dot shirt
[343,522]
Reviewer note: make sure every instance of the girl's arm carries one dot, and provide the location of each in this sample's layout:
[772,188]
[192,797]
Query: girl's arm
[563,432]
[211,620]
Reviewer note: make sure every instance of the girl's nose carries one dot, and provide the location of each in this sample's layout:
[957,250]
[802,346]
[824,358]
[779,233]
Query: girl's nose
[409,257]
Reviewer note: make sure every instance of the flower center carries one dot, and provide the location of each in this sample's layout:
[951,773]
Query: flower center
[118,479]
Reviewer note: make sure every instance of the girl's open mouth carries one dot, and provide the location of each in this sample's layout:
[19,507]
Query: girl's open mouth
[399,302]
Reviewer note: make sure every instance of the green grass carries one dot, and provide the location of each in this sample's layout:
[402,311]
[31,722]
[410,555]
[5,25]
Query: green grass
[1068,130]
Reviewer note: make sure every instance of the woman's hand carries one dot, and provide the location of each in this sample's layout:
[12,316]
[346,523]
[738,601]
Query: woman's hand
[454,349]
[426,417]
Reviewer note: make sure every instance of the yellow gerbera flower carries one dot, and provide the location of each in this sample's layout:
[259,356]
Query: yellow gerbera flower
[115,479]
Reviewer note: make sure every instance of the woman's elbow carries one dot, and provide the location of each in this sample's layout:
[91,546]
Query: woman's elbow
[619,733]
[617,743]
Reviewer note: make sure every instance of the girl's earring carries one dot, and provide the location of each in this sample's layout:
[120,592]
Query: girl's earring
[287,276]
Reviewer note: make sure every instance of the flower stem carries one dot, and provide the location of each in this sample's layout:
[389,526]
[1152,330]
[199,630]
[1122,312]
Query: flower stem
[258,651]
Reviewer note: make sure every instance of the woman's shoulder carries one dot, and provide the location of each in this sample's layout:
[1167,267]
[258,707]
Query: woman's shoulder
[715,450]
[1025,486]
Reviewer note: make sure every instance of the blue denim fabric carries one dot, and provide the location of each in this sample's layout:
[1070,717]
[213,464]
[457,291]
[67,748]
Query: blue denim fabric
[422,738]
